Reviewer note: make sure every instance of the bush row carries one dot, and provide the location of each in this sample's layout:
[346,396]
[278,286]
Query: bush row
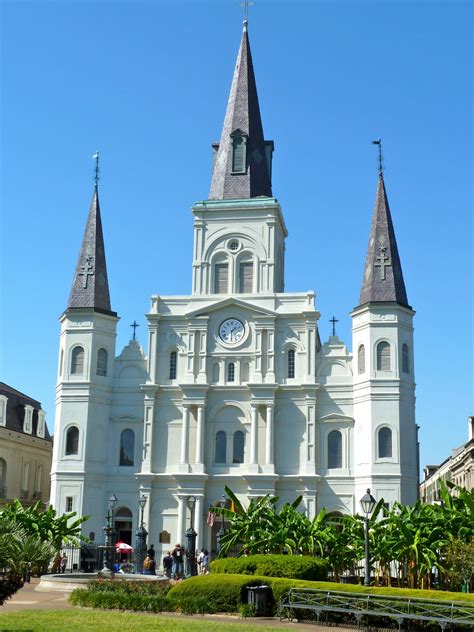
[290,566]
[8,587]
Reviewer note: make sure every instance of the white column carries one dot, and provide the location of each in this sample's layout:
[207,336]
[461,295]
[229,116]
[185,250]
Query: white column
[184,464]
[253,439]
[200,438]
[198,522]
[181,517]
[269,439]
[148,433]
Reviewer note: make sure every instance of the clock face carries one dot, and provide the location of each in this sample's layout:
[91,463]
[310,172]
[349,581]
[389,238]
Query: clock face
[231,331]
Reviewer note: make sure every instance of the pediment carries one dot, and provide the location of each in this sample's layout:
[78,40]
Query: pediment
[230,302]
[336,417]
[126,417]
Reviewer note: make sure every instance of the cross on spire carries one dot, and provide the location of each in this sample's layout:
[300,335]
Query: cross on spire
[333,320]
[379,143]
[246,4]
[134,326]
[96,169]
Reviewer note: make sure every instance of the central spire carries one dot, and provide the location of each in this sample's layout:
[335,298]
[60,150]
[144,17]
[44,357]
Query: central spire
[242,167]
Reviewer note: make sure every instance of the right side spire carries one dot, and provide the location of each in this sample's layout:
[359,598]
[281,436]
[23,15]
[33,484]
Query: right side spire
[383,278]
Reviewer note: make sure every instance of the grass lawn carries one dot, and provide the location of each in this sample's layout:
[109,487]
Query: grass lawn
[79,621]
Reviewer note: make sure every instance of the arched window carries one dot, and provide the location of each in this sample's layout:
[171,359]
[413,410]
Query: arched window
[230,372]
[383,356]
[102,362]
[405,359]
[238,447]
[385,443]
[221,447]
[77,361]
[334,449]
[221,278]
[3,478]
[239,152]
[361,359]
[72,440]
[127,447]
[245,277]
[290,363]
[173,365]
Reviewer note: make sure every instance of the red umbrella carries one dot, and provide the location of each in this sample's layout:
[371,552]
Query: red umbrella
[123,547]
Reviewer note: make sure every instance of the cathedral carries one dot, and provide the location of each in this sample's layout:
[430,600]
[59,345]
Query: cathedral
[235,386]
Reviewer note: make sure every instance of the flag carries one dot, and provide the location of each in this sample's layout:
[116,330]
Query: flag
[211,518]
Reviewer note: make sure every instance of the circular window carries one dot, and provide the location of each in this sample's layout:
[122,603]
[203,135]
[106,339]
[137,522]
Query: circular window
[233,245]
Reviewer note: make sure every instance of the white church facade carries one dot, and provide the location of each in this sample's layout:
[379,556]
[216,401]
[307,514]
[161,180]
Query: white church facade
[235,387]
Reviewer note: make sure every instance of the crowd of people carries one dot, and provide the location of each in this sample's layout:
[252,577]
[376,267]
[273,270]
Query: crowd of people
[173,562]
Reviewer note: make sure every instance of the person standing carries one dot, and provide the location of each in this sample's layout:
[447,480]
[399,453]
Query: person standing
[168,565]
[151,552]
[178,561]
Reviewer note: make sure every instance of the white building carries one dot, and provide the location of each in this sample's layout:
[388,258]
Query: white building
[235,387]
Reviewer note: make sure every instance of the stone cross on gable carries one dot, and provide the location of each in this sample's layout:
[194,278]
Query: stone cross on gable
[382,261]
[88,270]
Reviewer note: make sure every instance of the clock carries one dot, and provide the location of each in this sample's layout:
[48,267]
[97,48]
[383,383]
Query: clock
[231,331]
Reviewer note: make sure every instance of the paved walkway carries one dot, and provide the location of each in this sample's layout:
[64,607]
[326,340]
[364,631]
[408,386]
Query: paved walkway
[27,598]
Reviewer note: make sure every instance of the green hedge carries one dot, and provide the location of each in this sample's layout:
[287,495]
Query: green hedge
[290,566]
[123,595]
[219,593]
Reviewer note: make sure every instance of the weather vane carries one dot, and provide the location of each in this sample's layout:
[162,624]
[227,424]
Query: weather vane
[96,171]
[246,4]
[379,143]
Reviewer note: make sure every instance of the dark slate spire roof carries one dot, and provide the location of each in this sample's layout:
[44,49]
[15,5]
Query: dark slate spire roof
[90,287]
[383,277]
[243,113]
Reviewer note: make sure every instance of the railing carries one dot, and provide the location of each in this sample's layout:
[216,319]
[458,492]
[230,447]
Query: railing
[398,608]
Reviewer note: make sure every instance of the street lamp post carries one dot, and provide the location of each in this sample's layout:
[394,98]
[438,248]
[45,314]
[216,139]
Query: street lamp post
[221,532]
[367,503]
[141,533]
[109,548]
[190,536]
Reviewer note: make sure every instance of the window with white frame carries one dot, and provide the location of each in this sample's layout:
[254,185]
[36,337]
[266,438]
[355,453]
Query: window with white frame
[221,448]
[231,372]
[127,447]
[72,441]
[290,363]
[3,410]
[40,428]
[28,419]
[334,449]
[238,447]
[173,365]
[69,504]
[383,356]
[385,443]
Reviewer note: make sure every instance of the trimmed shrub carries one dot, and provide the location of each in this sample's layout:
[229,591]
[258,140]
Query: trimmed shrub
[290,566]
[119,600]
[220,593]
[8,587]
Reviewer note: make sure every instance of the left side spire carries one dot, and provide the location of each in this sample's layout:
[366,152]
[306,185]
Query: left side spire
[90,288]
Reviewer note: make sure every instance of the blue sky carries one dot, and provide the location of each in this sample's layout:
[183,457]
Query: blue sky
[147,84]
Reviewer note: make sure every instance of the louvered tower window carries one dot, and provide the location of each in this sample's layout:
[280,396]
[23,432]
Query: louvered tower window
[245,277]
[72,440]
[385,443]
[221,278]
[383,356]
[102,362]
[405,359]
[361,359]
[77,361]
[239,153]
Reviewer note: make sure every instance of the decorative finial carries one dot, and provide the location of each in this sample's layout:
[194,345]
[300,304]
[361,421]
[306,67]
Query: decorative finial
[134,326]
[379,143]
[96,171]
[333,320]
[246,4]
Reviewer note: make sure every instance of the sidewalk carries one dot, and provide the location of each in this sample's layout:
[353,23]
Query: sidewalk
[27,598]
